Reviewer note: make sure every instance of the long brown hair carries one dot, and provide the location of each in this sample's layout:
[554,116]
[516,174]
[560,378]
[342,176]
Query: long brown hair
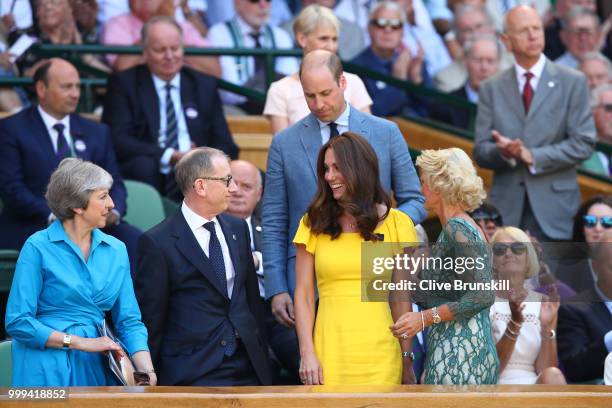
[357,162]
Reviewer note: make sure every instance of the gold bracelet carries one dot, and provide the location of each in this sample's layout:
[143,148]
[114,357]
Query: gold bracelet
[422,321]
[516,324]
[511,332]
[508,336]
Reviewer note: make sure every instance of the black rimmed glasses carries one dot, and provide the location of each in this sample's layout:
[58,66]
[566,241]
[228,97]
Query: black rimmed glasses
[227,179]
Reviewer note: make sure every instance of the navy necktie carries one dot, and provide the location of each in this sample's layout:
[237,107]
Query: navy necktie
[259,62]
[171,125]
[215,255]
[63,149]
[333,130]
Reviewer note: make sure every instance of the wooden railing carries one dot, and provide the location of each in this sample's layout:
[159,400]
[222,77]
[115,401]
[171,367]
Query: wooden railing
[430,396]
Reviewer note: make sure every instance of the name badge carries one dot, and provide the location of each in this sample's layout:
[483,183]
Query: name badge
[80,145]
[191,113]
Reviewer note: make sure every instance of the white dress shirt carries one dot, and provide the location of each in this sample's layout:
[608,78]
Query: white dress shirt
[536,70]
[342,124]
[184,141]
[202,235]
[50,121]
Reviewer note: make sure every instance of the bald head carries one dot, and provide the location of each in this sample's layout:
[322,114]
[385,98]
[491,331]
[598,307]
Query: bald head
[524,35]
[58,87]
[245,198]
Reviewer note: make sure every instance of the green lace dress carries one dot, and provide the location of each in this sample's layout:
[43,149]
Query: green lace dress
[461,351]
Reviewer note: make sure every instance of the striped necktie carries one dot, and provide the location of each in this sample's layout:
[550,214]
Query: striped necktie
[171,125]
[63,148]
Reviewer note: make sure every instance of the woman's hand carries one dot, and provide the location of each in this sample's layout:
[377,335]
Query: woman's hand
[549,309]
[311,372]
[97,345]
[408,325]
[515,301]
[408,376]
[152,379]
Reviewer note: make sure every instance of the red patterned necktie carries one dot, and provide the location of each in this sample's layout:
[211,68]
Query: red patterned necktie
[527,91]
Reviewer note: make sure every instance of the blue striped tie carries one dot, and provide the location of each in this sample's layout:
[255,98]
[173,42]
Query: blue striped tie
[171,125]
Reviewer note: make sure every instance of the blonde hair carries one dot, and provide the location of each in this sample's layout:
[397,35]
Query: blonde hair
[450,173]
[314,16]
[518,235]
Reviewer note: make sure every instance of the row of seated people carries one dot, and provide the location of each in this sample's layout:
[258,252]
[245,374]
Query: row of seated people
[317,28]
[545,211]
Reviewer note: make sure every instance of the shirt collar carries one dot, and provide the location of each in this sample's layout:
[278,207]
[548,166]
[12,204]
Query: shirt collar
[50,121]
[160,84]
[57,233]
[193,219]
[342,120]
[472,95]
[536,70]
[245,28]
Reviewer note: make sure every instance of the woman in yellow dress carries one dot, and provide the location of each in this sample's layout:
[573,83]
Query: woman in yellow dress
[351,342]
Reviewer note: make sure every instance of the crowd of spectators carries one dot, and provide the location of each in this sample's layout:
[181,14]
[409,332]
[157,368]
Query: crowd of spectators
[160,106]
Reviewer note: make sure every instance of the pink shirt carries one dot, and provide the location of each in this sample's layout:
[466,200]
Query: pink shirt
[286,97]
[125,29]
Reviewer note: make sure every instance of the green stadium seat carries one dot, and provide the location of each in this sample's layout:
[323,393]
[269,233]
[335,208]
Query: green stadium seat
[145,207]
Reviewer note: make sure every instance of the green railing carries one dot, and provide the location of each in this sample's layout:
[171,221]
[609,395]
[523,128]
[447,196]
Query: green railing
[73,52]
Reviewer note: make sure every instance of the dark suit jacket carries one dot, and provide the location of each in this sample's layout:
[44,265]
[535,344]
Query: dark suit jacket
[581,329]
[257,227]
[131,109]
[185,309]
[27,160]
[451,114]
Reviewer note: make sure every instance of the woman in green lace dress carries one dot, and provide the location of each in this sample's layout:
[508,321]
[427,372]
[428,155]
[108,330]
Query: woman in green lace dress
[460,346]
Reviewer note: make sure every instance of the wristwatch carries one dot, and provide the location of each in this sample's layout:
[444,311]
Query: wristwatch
[435,316]
[408,354]
[67,341]
[552,335]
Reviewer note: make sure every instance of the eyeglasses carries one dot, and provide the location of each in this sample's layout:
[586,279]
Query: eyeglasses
[606,106]
[590,221]
[227,179]
[393,23]
[517,248]
[257,1]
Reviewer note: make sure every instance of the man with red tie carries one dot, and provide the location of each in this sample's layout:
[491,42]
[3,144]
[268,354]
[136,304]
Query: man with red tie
[533,127]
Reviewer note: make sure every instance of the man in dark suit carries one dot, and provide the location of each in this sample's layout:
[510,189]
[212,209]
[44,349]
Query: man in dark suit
[482,58]
[34,141]
[585,324]
[197,287]
[244,204]
[162,109]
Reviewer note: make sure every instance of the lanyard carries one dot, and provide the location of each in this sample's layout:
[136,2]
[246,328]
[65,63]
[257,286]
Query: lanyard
[243,63]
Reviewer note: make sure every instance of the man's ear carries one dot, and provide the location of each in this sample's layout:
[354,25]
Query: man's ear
[41,89]
[506,40]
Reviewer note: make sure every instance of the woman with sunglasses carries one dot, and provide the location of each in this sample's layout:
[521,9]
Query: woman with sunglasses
[460,346]
[524,322]
[315,28]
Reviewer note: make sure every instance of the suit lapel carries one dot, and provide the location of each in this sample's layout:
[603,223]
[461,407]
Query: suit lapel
[43,138]
[79,139]
[257,229]
[357,123]
[232,244]
[310,137]
[514,99]
[187,244]
[148,94]
[546,86]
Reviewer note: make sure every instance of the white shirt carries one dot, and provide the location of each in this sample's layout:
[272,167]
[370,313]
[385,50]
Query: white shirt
[202,235]
[342,123]
[472,94]
[259,271]
[50,121]
[184,141]
[536,70]
[22,12]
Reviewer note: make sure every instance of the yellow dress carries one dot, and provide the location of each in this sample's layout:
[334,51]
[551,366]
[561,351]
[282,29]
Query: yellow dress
[352,338]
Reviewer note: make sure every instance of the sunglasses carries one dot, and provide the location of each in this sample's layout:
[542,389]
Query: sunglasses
[481,216]
[517,248]
[393,23]
[590,221]
[226,180]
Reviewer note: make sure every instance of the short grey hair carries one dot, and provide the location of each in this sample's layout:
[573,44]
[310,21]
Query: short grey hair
[596,93]
[466,9]
[597,56]
[194,165]
[389,5]
[579,11]
[72,184]
[469,45]
[144,32]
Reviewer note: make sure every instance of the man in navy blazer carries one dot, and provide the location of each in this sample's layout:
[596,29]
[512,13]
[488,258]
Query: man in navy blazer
[197,287]
[291,175]
[160,110]
[31,149]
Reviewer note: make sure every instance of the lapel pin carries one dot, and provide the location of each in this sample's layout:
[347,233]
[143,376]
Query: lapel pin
[258,228]
[233,237]
[80,145]
[551,84]
[191,113]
